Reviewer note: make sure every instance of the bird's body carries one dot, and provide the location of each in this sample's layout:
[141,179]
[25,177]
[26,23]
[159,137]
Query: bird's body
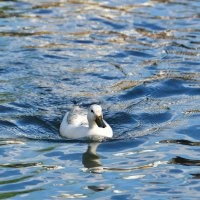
[80,123]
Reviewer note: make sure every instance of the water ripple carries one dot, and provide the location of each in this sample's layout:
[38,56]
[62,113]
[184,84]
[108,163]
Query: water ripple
[184,161]
[183,142]
[14,194]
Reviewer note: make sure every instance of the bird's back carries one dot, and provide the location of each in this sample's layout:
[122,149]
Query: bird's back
[77,117]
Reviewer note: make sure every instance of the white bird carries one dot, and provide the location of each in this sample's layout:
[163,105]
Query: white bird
[81,124]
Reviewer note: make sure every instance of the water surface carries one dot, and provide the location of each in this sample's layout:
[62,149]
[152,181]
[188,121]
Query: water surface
[139,60]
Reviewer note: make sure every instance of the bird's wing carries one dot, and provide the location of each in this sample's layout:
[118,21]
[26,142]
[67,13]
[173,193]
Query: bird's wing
[77,116]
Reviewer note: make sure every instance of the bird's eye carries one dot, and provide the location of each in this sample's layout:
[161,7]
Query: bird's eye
[92,111]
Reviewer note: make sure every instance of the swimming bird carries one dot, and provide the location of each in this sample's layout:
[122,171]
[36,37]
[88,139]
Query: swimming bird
[80,123]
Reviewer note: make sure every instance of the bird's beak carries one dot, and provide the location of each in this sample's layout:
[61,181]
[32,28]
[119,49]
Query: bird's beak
[99,121]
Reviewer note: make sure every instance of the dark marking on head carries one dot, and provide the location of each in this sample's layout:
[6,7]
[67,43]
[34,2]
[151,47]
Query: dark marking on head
[99,121]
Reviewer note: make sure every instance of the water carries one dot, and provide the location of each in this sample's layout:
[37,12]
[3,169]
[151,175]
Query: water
[139,59]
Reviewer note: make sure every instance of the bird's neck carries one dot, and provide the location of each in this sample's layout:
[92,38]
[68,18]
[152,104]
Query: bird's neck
[92,124]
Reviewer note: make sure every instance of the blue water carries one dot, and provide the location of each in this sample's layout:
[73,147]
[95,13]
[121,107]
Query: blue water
[139,59]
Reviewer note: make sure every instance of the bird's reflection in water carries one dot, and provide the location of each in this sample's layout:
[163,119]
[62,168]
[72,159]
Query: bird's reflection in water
[90,158]
[92,162]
